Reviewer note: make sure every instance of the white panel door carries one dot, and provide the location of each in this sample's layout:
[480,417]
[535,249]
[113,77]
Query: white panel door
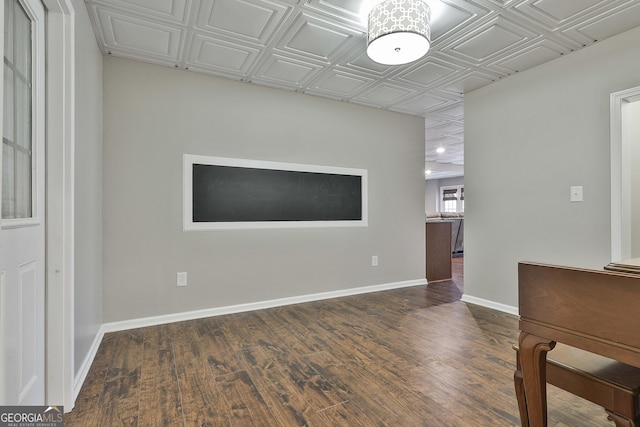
[22,224]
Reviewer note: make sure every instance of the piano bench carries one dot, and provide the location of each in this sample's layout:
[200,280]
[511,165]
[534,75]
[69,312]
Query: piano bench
[603,381]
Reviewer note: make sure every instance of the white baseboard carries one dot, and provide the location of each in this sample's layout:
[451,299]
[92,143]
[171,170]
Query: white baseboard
[490,304]
[78,380]
[219,311]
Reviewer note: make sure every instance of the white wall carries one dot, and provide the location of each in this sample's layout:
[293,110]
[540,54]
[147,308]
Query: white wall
[432,191]
[152,115]
[528,138]
[88,186]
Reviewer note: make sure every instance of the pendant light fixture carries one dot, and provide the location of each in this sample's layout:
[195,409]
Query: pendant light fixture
[399,31]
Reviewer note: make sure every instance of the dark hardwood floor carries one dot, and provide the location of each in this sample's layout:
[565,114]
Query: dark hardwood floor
[415,356]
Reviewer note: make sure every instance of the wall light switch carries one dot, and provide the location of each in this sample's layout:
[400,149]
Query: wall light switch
[576,193]
[374,261]
[181,279]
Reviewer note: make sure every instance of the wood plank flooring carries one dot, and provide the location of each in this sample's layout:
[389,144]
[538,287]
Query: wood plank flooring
[415,356]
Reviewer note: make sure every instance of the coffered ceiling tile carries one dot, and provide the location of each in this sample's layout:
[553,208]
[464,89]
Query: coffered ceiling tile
[338,84]
[456,154]
[614,22]
[421,104]
[318,47]
[251,20]
[445,173]
[448,142]
[431,121]
[452,15]
[504,3]
[538,53]
[344,10]
[491,39]
[285,72]
[552,14]
[215,54]
[450,160]
[361,63]
[446,129]
[427,73]
[451,157]
[311,36]
[132,35]
[172,10]
[383,94]
[455,111]
[454,150]
[470,81]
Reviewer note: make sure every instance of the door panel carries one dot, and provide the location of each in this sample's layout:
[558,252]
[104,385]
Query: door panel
[22,227]
[28,350]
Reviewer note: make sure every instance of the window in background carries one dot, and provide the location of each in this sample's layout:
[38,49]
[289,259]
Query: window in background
[452,198]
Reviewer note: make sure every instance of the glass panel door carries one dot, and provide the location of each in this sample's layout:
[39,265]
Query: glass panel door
[17,161]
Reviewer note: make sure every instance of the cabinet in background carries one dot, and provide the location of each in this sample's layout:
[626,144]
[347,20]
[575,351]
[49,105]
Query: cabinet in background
[438,238]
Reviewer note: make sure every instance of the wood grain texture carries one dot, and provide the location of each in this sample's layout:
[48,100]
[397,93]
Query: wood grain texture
[591,310]
[414,356]
[438,250]
[606,309]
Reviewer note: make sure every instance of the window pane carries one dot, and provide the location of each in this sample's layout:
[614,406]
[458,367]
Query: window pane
[8,196]
[23,114]
[23,43]
[8,103]
[23,186]
[17,182]
[8,30]
[450,206]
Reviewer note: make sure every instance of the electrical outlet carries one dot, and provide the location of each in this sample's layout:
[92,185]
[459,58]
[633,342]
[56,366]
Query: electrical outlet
[181,279]
[374,261]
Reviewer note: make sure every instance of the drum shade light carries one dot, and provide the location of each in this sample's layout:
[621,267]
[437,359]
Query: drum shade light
[399,31]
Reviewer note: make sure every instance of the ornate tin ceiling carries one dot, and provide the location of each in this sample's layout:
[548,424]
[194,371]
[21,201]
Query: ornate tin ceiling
[317,47]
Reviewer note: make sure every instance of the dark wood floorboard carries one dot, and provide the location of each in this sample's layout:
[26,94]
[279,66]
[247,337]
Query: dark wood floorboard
[415,356]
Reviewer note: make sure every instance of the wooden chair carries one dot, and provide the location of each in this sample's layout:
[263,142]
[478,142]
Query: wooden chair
[605,382]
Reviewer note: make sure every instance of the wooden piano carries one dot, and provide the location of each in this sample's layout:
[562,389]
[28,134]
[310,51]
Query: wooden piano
[596,311]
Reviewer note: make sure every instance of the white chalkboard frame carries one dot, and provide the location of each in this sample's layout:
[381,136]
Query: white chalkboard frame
[189,160]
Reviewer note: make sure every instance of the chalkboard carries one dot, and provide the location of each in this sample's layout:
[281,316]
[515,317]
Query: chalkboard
[222,192]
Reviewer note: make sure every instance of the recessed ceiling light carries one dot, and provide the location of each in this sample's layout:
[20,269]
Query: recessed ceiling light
[440,150]
[427,172]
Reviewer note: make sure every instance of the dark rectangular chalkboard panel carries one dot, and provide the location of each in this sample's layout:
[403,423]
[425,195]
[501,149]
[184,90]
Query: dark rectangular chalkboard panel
[241,194]
[228,193]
